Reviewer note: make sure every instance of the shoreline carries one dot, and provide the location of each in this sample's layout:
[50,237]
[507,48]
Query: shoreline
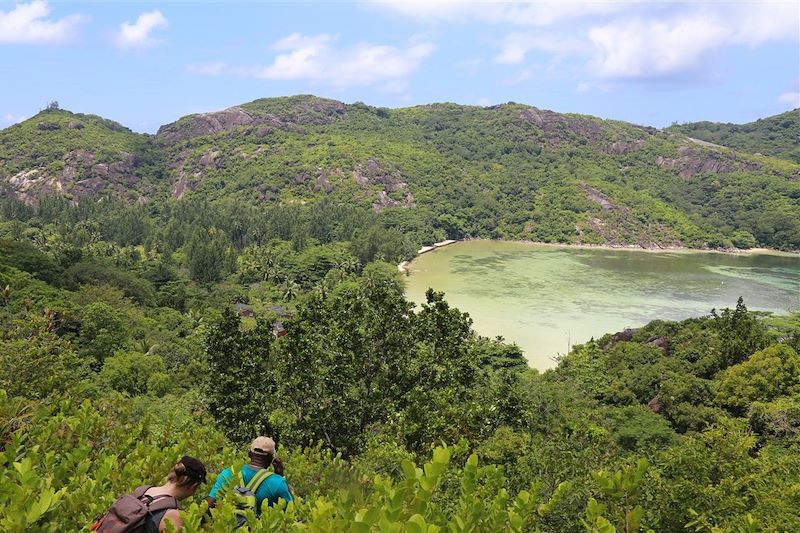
[403,266]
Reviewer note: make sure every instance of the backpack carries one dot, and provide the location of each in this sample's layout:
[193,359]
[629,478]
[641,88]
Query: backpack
[135,513]
[245,495]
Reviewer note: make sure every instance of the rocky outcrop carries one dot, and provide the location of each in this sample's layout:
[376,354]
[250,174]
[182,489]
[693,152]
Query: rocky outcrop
[385,201]
[322,183]
[598,197]
[267,193]
[660,342]
[372,173]
[617,225]
[655,404]
[80,177]
[204,124]
[560,128]
[626,335]
[623,146]
[691,162]
[297,112]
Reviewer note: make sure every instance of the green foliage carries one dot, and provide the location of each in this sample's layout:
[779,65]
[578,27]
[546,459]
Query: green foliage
[134,373]
[102,332]
[26,257]
[740,335]
[622,489]
[241,383]
[776,135]
[207,255]
[636,427]
[779,419]
[35,362]
[764,376]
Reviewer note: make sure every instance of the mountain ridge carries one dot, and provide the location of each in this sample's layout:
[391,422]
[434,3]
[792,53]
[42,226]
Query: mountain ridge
[443,170]
[776,135]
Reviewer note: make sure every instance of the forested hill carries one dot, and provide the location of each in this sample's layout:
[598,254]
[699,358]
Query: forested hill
[777,136]
[435,171]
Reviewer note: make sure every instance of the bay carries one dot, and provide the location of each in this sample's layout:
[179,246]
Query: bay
[548,298]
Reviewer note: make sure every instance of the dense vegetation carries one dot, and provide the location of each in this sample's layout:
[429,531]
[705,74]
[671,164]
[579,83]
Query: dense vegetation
[778,136]
[118,357]
[433,172]
[133,331]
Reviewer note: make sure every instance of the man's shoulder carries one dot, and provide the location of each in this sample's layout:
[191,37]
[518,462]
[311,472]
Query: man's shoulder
[276,479]
[225,475]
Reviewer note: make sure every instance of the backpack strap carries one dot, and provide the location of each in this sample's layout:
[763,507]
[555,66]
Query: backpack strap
[158,502]
[258,479]
[139,492]
[157,507]
[163,502]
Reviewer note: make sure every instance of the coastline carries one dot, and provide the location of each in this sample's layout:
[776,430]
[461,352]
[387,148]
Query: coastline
[403,266]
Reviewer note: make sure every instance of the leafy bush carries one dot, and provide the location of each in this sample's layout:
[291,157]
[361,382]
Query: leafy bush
[134,373]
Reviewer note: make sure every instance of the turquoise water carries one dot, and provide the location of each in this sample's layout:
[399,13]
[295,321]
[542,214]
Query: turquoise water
[548,298]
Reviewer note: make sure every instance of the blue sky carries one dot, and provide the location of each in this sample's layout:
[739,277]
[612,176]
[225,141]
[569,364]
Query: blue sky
[148,63]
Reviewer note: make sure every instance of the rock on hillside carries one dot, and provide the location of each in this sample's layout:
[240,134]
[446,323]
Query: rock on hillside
[777,136]
[75,156]
[288,114]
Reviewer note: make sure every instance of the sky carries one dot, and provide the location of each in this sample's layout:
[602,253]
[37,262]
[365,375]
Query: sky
[145,64]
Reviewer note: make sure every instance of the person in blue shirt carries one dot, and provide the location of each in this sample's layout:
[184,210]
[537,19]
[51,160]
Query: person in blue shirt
[273,488]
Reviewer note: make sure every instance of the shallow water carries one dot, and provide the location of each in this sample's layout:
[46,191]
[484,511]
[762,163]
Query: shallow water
[548,298]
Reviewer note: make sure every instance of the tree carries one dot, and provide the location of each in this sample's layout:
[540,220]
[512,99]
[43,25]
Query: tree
[133,373]
[764,376]
[242,383]
[102,332]
[35,363]
[207,256]
[740,334]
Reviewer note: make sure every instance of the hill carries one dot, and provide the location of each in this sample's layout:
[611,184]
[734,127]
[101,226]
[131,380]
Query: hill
[777,136]
[435,171]
[78,157]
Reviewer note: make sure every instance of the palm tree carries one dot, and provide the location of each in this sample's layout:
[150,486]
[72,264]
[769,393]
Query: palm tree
[290,290]
[322,289]
[349,264]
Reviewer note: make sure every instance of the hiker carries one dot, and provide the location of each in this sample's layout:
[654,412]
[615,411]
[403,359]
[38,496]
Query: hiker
[149,508]
[256,484]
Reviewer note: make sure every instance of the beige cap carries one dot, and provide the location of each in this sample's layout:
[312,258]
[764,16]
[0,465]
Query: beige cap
[263,445]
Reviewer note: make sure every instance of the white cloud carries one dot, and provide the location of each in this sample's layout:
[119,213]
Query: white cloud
[11,119]
[29,23]
[642,48]
[138,34]
[207,69]
[647,49]
[517,45]
[792,98]
[519,13]
[317,59]
[618,40]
